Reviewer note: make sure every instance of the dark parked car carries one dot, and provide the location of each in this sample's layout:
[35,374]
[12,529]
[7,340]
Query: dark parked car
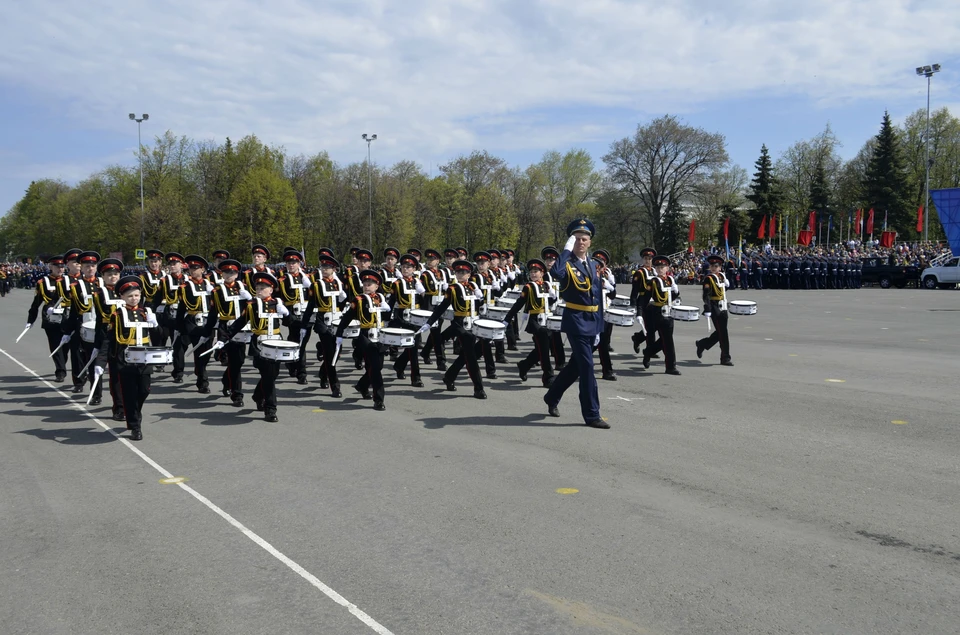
[878,271]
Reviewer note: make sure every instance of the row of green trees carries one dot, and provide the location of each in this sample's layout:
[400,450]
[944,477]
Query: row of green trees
[199,196]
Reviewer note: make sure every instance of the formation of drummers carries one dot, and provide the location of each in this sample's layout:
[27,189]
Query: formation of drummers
[410,309]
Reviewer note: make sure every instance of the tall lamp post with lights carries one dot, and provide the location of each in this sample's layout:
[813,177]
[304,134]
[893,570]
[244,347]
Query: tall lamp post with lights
[139,121]
[369,139]
[927,71]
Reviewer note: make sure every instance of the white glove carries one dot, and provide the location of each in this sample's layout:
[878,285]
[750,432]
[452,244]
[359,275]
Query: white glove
[479,294]
[303,334]
[150,317]
[420,288]
[341,296]
[218,345]
[245,295]
[423,329]
[29,325]
[707,314]
[596,341]
[512,274]
[64,340]
[282,310]
[97,371]
[676,303]
[49,310]
[203,340]
[339,341]
[570,243]
[496,284]
[444,286]
[607,286]
[552,293]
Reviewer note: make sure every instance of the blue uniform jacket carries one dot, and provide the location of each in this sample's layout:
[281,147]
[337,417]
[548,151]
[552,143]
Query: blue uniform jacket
[579,284]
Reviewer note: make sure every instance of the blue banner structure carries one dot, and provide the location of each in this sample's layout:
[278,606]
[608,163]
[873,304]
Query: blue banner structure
[948,209]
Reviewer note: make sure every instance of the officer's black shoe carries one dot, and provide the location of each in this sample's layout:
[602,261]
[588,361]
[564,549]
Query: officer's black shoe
[726,363]
[96,401]
[77,388]
[646,361]
[323,380]
[450,385]
[552,410]
[523,373]
[441,364]
[225,392]
[271,417]
[425,358]
[492,375]
[416,383]
[479,394]
[302,380]
[600,424]
[237,402]
[548,382]
[500,360]
[399,372]
[136,434]
[610,376]
[363,393]
[672,371]
[378,405]
[178,379]
[335,391]
[60,377]
[700,349]
[203,390]
[259,404]
[119,416]
[358,363]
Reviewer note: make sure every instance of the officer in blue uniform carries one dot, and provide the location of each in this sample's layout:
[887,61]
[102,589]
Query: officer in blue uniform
[582,290]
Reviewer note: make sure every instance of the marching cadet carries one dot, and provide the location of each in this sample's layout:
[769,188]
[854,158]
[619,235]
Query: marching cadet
[388,270]
[83,318]
[130,325]
[327,295]
[105,301]
[263,313]
[450,256]
[534,299]
[664,293]
[260,257]
[150,283]
[213,275]
[463,296]
[194,317]
[364,260]
[549,256]
[403,299]
[416,253]
[50,293]
[72,340]
[434,282]
[366,308]
[230,298]
[166,305]
[715,308]
[294,287]
[609,289]
[488,285]
[640,294]
[582,291]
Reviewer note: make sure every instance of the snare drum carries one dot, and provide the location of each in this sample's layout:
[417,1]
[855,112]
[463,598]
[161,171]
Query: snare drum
[498,313]
[620,300]
[511,294]
[618,317]
[489,329]
[352,330]
[279,350]
[419,317]
[553,322]
[148,355]
[398,337]
[88,333]
[685,313]
[448,314]
[505,302]
[742,307]
[558,310]
[55,316]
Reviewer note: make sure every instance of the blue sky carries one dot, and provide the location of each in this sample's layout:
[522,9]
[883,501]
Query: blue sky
[439,78]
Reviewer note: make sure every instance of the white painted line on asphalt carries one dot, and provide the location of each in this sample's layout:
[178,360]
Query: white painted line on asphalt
[263,544]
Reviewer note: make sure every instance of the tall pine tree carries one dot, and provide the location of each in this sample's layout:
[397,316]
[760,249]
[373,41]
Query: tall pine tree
[885,182]
[820,196]
[764,194]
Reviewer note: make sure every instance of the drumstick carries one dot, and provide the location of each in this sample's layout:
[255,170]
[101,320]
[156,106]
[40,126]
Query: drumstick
[336,356]
[22,334]
[84,369]
[96,380]
[57,349]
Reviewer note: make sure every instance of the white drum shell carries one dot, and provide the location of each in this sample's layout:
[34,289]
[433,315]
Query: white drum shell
[279,350]
[553,322]
[620,300]
[56,317]
[352,330]
[742,307]
[505,302]
[419,317]
[398,337]
[618,317]
[148,355]
[448,314]
[497,312]
[685,313]
[488,329]
[87,333]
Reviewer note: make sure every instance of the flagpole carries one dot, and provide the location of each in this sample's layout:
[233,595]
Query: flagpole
[829,227]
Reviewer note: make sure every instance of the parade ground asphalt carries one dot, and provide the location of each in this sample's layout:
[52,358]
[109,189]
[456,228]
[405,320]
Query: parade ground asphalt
[811,488]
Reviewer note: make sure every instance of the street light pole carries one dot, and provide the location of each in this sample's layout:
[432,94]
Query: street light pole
[142,118]
[369,139]
[927,71]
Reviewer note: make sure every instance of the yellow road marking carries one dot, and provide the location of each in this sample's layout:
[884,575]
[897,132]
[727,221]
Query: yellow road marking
[318,410]
[585,616]
[568,490]
[793,355]
[898,422]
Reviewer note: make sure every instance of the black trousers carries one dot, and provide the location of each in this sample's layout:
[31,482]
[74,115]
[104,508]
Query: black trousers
[76,357]
[327,342]
[54,334]
[298,368]
[435,342]
[180,342]
[134,389]
[720,334]
[86,348]
[663,326]
[410,354]
[469,349]
[112,377]
[606,364]
[373,367]
[232,379]
[266,390]
[540,353]
[193,335]
[556,347]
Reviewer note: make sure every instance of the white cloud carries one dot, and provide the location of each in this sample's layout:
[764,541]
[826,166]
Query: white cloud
[439,77]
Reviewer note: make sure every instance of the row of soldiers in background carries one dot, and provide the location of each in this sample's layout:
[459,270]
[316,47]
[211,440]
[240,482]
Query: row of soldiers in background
[797,272]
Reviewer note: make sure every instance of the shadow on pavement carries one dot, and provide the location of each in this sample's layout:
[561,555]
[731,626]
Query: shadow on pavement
[533,419]
[72,436]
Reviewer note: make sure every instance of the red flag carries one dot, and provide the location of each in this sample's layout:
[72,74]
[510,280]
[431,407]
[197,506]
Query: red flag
[762,232]
[870,222]
[920,219]
[812,223]
[726,228]
[804,237]
[773,226]
[887,238]
[693,231]
[857,222]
